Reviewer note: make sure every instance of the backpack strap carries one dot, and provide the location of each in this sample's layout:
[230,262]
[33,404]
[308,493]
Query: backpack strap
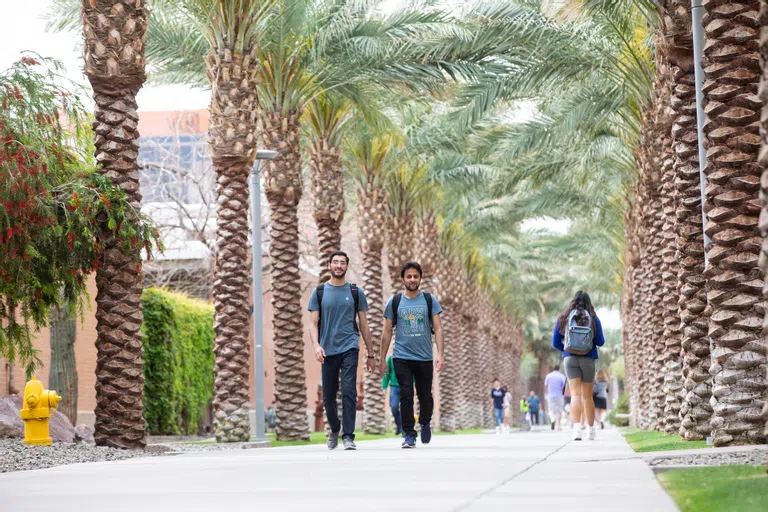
[319,295]
[395,305]
[428,298]
[356,300]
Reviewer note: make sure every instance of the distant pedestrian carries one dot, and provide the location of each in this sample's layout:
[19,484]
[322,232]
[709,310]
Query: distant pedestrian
[335,308]
[526,423]
[497,394]
[533,407]
[415,316]
[555,383]
[390,380]
[600,396]
[507,410]
[577,335]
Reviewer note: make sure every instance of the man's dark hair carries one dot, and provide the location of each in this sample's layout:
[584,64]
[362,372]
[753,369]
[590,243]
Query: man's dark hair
[557,368]
[409,265]
[338,253]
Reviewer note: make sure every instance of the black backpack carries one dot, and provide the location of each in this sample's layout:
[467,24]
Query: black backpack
[396,304]
[319,294]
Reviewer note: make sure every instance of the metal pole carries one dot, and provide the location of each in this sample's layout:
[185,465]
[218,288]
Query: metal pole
[697,13]
[258,331]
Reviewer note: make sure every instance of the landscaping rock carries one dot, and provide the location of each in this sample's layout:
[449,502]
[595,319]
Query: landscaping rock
[84,434]
[11,425]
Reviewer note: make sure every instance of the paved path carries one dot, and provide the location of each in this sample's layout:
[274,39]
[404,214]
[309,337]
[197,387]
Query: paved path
[468,472]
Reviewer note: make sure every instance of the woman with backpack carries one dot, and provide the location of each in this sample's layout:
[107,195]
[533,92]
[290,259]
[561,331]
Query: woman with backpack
[577,335]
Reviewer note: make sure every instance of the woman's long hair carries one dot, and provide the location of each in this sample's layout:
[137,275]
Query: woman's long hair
[580,302]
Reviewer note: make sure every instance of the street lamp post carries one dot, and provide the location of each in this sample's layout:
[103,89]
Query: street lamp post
[258,331]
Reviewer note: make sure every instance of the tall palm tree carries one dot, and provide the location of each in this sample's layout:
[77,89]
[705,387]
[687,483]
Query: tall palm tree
[232,30]
[115,35]
[695,410]
[763,155]
[732,204]
[371,160]
[451,389]
[326,115]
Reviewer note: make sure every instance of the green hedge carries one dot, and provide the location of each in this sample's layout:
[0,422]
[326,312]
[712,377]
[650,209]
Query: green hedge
[622,407]
[178,361]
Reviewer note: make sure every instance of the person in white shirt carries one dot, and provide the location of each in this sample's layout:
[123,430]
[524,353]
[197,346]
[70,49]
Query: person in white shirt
[554,384]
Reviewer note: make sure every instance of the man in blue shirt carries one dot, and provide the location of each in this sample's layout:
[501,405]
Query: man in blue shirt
[333,330]
[414,319]
[533,407]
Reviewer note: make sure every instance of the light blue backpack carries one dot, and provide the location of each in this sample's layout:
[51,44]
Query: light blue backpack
[578,339]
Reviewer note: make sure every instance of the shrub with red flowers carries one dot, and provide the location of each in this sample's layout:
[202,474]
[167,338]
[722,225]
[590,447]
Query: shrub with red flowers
[53,204]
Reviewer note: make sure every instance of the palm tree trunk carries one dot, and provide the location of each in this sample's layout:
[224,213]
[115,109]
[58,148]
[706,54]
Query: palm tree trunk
[735,282]
[763,156]
[232,136]
[115,35]
[426,249]
[695,410]
[371,206]
[450,379]
[63,376]
[327,180]
[231,399]
[283,186]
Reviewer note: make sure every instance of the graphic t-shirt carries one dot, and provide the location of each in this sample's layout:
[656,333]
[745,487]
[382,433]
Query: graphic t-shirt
[413,334]
[337,322]
[498,397]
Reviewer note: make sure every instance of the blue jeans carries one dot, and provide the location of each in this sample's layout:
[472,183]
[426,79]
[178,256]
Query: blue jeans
[394,405]
[499,416]
[344,364]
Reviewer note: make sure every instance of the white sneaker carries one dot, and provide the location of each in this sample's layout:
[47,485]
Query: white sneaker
[498,430]
[505,429]
[577,432]
[592,433]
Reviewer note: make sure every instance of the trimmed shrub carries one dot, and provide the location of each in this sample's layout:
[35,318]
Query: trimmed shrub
[622,407]
[178,361]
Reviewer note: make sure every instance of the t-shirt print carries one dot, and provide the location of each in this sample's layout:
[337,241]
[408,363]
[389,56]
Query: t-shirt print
[414,320]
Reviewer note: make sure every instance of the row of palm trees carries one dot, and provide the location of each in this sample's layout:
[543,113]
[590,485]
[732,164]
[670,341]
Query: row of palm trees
[278,71]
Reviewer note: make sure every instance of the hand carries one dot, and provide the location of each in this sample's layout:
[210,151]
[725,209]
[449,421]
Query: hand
[382,366]
[320,354]
[439,363]
[370,364]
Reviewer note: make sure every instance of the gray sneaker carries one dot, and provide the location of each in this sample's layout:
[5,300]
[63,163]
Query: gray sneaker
[333,440]
[349,444]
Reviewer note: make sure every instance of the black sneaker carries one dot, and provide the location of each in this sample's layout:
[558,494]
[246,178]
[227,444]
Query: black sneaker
[349,444]
[333,440]
[409,442]
[553,425]
[426,434]
[602,426]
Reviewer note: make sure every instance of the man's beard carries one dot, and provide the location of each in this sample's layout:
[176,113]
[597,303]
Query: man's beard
[412,287]
[338,273]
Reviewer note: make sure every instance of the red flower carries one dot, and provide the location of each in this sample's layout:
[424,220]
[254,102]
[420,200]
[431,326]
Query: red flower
[29,61]
[8,233]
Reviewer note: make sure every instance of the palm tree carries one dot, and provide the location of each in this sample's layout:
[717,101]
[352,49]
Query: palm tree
[732,204]
[326,116]
[763,155]
[115,34]
[695,410]
[371,160]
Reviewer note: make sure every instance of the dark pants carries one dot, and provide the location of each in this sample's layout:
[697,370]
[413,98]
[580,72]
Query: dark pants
[408,371]
[394,405]
[534,417]
[346,365]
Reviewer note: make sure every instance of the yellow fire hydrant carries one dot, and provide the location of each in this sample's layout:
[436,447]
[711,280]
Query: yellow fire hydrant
[39,406]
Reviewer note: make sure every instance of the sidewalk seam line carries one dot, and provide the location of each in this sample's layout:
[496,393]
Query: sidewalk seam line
[504,482]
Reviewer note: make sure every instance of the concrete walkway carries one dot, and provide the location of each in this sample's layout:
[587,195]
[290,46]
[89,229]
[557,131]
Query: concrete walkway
[468,472]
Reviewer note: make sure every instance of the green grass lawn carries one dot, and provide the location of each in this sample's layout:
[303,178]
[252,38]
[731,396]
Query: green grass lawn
[721,489]
[319,437]
[653,441]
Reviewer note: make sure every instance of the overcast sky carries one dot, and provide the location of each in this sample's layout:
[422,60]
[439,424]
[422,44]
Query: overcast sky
[22,27]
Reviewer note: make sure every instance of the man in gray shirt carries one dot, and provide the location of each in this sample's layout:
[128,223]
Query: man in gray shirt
[335,336]
[414,319]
